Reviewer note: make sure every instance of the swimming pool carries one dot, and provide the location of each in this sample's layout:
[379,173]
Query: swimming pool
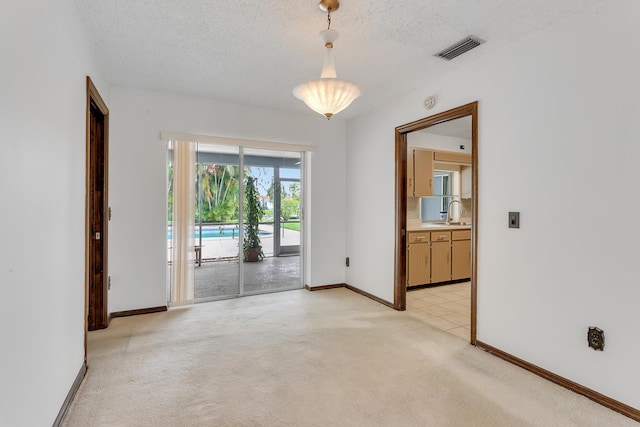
[217,231]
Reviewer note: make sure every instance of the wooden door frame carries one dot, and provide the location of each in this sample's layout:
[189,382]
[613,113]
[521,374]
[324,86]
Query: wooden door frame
[400,274]
[93,96]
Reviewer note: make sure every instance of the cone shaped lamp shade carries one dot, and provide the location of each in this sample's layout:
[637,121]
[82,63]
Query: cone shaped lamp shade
[327,95]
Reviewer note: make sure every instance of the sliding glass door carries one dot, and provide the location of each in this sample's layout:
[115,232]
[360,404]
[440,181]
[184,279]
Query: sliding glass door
[244,198]
[218,225]
[275,271]
[287,213]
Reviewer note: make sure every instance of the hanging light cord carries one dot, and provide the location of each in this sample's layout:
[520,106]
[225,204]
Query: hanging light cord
[329,18]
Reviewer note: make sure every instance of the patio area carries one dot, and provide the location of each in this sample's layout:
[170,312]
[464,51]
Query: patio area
[217,275]
[219,279]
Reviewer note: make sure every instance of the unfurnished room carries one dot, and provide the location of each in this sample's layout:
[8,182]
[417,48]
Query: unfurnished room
[318,213]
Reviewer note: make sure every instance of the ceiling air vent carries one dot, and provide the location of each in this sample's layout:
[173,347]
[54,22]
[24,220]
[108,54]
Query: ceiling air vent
[459,48]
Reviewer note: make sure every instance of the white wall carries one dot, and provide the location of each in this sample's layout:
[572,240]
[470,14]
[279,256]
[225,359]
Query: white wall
[137,242]
[554,109]
[45,60]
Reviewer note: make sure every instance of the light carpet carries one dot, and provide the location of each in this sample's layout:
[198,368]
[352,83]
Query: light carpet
[299,358]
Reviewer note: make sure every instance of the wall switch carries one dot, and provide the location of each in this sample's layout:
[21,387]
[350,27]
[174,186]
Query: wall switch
[347,262]
[514,219]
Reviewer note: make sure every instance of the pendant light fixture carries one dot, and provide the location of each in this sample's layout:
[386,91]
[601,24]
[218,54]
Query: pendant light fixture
[327,95]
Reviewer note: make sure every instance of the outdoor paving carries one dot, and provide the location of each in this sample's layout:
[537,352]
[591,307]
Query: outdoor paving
[226,247]
[219,279]
[217,276]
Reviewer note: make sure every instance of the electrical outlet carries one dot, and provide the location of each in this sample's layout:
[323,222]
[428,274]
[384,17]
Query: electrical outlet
[514,219]
[595,338]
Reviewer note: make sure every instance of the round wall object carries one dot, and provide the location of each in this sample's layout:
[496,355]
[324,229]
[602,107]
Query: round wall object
[429,102]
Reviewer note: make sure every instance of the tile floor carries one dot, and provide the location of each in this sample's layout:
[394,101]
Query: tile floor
[446,307]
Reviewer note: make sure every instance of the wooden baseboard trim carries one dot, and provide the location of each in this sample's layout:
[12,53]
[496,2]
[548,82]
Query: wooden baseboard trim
[69,399]
[324,287]
[139,311]
[351,288]
[603,400]
[368,295]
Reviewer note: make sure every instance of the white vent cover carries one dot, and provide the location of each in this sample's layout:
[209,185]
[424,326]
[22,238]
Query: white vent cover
[459,48]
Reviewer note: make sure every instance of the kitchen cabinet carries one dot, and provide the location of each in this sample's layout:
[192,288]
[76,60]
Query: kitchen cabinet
[465,182]
[418,258]
[460,254]
[440,256]
[452,157]
[419,172]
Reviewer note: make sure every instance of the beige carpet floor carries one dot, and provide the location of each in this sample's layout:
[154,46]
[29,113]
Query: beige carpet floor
[299,358]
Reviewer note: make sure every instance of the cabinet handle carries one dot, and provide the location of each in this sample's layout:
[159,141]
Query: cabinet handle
[448,255]
[426,260]
[420,238]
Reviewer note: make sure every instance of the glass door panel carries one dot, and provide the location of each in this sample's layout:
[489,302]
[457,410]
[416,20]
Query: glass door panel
[288,212]
[217,222]
[224,225]
[274,271]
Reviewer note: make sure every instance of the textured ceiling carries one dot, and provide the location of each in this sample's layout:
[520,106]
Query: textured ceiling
[458,128]
[253,52]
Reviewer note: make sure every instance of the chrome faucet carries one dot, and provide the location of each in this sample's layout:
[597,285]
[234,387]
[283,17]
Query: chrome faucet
[461,209]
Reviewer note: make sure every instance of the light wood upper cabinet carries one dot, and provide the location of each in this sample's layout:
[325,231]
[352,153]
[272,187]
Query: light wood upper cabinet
[410,178]
[422,172]
[465,182]
[452,157]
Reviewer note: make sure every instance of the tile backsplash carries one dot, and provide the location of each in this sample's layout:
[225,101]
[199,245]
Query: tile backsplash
[413,208]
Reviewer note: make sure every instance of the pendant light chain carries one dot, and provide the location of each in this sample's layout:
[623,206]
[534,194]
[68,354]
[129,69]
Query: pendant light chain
[329,19]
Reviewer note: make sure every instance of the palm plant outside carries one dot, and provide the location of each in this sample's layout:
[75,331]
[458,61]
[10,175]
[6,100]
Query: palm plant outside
[219,193]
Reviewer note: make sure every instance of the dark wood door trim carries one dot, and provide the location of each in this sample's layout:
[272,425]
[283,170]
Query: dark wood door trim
[400,276]
[95,101]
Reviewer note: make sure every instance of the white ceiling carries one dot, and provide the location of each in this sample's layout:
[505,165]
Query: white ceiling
[458,128]
[254,52]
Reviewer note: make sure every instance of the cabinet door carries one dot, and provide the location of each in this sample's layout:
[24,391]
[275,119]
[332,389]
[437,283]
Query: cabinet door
[418,264]
[440,261]
[422,172]
[461,259]
[410,188]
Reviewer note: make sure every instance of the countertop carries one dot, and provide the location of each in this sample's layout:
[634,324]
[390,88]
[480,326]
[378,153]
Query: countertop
[416,225]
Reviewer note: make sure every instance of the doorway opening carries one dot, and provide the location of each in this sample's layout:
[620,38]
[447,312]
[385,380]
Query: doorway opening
[403,168]
[219,259]
[96,205]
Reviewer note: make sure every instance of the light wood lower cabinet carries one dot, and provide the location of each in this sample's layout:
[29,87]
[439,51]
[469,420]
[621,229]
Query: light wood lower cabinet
[460,254]
[438,256]
[418,257]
